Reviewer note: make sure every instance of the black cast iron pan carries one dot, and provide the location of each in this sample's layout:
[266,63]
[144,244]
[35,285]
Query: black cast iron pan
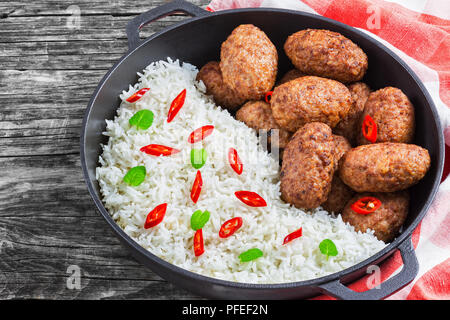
[197,41]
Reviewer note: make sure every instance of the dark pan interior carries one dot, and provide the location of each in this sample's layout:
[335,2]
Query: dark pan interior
[198,41]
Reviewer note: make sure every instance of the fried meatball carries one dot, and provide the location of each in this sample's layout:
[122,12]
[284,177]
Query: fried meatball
[340,193]
[291,75]
[248,60]
[258,115]
[341,147]
[223,95]
[393,113]
[308,166]
[326,54]
[384,167]
[350,126]
[386,220]
[310,99]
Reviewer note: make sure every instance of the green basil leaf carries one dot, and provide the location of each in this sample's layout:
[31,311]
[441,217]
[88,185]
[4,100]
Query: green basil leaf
[199,219]
[250,255]
[135,176]
[198,158]
[328,248]
[142,119]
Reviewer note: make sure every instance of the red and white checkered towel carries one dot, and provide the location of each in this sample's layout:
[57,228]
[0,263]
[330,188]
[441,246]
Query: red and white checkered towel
[419,32]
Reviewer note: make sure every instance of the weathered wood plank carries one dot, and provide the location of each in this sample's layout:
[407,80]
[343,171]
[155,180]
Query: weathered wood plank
[56,48]
[59,83]
[49,123]
[52,7]
[100,61]
[72,55]
[46,42]
[56,28]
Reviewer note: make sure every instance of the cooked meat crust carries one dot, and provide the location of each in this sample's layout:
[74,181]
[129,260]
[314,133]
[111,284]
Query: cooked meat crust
[258,115]
[291,75]
[386,220]
[310,99]
[248,61]
[223,95]
[384,167]
[349,127]
[326,54]
[308,166]
[393,113]
[342,146]
[340,193]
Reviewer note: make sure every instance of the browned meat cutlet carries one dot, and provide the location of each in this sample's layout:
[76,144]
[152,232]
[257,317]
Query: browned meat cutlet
[223,95]
[342,146]
[249,62]
[326,54]
[310,99]
[386,221]
[384,167]
[340,193]
[308,166]
[350,126]
[393,113]
[290,75]
[258,115]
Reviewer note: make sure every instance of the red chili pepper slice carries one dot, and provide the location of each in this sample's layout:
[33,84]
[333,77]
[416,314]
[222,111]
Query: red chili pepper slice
[137,95]
[200,133]
[198,243]
[369,129]
[159,150]
[366,205]
[155,216]
[235,161]
[197,187]
[250,198]
[291,236]
[229,227]
[268,96]
[176,105]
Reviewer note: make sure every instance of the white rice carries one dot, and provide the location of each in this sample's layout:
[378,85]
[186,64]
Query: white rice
[169,180]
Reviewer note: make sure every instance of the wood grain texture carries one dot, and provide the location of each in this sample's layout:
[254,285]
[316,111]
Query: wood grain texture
[48,222]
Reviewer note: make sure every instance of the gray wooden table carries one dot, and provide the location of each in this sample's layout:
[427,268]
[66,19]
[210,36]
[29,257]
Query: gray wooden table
[52,56]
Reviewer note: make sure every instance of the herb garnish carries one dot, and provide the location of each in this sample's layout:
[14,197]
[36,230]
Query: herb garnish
[135,176]
[250,255]
[328,248]
[198,158]
[199,218]
[142,119]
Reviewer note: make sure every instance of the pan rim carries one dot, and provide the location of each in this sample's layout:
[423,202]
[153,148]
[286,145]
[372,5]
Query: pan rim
[315,282]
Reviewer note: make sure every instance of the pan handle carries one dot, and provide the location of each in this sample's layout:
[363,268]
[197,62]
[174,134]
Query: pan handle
[405,276]
[135,25]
